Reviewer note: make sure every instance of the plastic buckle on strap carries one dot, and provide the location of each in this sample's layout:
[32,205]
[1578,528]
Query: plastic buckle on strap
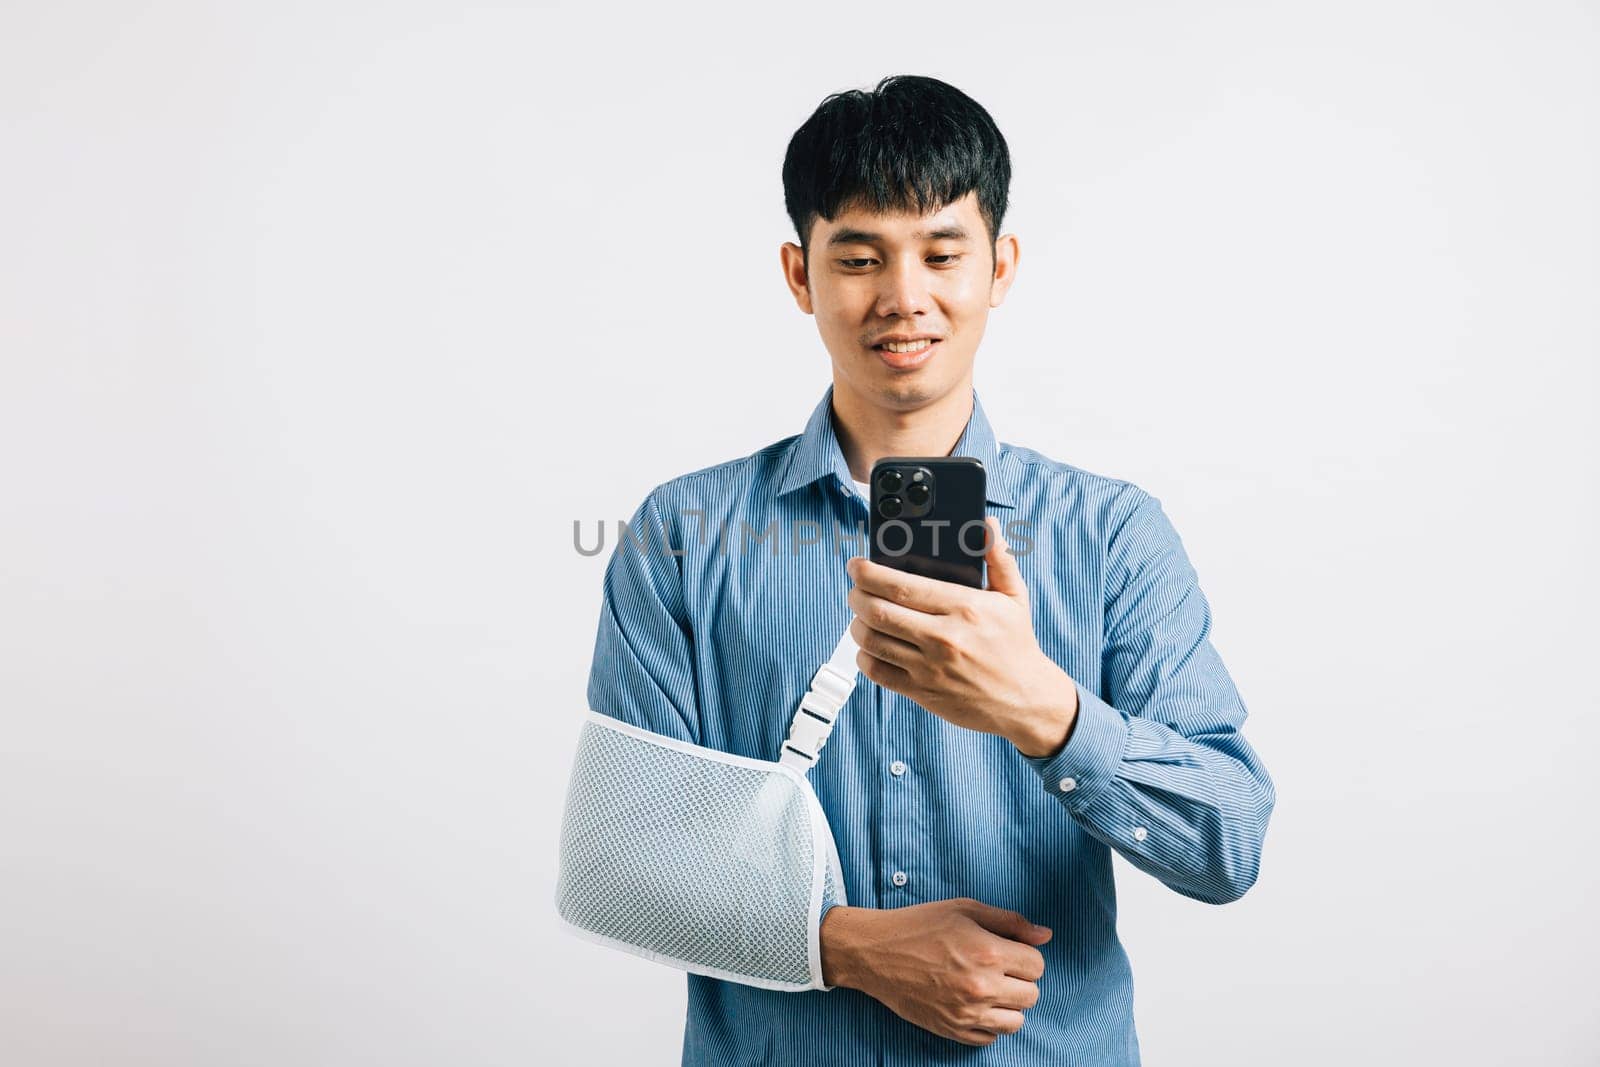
[832,685]
[827,695]
[809,735]
[820,705]
[800,761]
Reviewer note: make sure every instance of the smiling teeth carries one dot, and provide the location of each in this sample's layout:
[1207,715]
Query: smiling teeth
[908,346]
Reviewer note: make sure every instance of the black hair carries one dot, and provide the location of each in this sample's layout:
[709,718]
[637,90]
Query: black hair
[911,144]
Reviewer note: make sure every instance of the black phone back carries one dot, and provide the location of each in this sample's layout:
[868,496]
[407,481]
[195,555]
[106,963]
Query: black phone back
[926,516]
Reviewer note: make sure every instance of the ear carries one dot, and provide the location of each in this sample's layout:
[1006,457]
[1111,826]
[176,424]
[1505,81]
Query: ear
[1007,251]
[792,258]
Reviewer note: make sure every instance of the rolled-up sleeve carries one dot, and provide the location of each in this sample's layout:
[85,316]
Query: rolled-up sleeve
[1155,765]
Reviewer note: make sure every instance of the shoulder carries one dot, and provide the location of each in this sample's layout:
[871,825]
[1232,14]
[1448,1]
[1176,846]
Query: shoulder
[723,490]
[1059,492]
[1078,511]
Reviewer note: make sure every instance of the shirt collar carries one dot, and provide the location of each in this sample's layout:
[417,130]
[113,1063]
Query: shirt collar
[816,452]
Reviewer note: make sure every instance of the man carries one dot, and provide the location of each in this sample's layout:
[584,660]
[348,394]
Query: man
[1001,742]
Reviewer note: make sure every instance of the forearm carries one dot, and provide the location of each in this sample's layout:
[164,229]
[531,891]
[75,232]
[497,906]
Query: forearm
[1156,766]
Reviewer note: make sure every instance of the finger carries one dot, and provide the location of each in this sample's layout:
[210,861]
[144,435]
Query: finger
[1005,923]
[1023,961]
[1001,1021]
[896,620]
[885,674]
[885,646]
[913,590]
[975,1037]
[1004,574]
[1015,993]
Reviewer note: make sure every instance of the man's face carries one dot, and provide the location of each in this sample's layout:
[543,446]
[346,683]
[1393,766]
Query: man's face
[874,278]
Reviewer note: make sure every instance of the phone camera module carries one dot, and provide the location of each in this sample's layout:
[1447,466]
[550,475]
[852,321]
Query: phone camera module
[889,506]
[890,481]
[917,493]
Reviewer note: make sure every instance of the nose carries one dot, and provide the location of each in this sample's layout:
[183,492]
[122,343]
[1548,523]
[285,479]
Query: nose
[903,291]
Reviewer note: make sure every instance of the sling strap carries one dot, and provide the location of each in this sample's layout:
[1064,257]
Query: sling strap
[819,708]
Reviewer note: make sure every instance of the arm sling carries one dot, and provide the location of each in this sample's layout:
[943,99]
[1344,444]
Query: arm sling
[710,862]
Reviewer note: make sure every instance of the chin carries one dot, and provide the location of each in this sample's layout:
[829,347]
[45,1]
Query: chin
[907,390]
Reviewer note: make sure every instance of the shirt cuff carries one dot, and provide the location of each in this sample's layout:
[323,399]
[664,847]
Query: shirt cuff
[1089,759]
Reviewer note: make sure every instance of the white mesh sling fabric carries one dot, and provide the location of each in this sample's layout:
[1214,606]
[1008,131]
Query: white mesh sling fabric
[707,861]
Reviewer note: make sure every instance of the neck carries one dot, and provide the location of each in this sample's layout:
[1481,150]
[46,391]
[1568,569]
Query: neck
[867,432]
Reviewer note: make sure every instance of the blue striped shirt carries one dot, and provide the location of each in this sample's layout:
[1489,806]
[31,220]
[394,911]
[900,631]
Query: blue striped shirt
[712,633]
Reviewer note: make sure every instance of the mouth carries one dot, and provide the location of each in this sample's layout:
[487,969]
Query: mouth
[907,356]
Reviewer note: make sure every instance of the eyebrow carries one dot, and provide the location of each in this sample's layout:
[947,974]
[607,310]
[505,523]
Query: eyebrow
[863,237]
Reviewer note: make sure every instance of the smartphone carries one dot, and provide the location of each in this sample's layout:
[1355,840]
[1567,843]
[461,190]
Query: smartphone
[926,517]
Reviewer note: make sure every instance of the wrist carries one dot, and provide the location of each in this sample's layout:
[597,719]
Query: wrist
[838,939]
[1050,728]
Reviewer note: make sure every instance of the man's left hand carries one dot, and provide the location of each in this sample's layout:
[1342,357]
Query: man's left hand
[967,655]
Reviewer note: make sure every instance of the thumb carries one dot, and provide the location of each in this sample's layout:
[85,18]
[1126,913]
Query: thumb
[1004,574]
[1009,924]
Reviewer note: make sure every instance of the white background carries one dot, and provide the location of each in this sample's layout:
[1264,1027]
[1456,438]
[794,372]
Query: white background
[322,323]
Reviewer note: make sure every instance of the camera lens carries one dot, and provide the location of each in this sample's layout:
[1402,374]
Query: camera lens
[889,506]
[890,481]
[917,493]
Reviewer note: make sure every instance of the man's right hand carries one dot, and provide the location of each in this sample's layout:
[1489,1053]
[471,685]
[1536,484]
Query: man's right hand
[960,968]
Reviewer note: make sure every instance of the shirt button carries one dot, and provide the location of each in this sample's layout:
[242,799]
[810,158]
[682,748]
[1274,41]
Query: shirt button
[1140,833]
[897,768]
[1068,784]
[899,878]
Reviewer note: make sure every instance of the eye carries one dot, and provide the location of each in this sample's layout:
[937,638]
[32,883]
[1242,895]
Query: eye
[854,262]
[951,256]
